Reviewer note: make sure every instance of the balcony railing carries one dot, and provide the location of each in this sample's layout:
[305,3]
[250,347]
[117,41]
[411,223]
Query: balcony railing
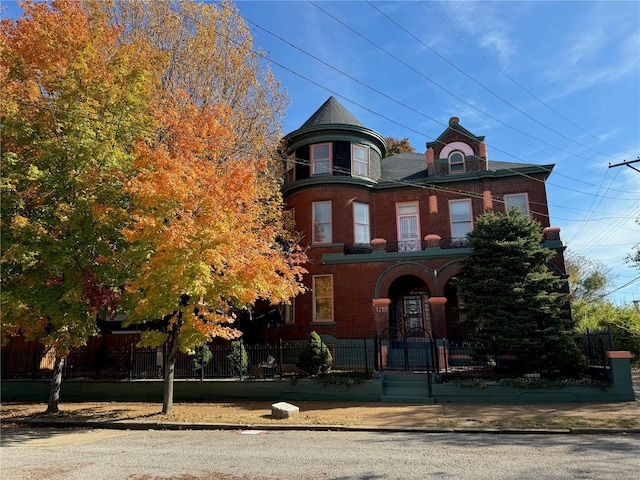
[406,246]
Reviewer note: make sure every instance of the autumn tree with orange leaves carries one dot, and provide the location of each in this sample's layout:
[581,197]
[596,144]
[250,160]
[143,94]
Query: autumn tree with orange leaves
[209,225]
[135,182]
[199,242]
[209,54]
[73,100]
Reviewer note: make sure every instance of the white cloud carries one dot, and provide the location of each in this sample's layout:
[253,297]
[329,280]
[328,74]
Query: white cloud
[482,21]
[604,46]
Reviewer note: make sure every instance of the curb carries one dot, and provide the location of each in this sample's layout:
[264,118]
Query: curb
[148,425]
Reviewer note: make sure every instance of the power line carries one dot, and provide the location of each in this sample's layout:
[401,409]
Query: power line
[443,88]
[376,113]
[266,57]
[477,82]
[434,187]
[631,282]
[535,97]
[591,208]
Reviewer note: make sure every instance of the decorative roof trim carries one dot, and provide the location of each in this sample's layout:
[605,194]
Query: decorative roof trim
[456,127]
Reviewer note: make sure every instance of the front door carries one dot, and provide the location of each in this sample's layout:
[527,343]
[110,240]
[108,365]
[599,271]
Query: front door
[412,313]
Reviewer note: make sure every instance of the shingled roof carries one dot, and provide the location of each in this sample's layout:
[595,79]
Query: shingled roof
[408,166]
[332,112]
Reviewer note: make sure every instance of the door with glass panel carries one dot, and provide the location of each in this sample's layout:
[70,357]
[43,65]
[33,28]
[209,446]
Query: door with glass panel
[412,313]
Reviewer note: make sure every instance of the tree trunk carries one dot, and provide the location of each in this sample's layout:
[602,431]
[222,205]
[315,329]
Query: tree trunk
[54,389]
[169,373]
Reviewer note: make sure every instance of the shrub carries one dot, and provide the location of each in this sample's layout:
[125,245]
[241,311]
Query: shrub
[315,358]
[202,358]
[238,358]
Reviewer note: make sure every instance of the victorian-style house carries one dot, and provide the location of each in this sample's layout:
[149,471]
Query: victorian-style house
[385,234]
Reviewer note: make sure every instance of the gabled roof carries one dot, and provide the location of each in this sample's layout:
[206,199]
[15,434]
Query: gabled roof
[332,112]
[455,126]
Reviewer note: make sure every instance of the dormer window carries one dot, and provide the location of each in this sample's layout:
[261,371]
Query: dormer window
[360,160]
[320,158]
[456,162]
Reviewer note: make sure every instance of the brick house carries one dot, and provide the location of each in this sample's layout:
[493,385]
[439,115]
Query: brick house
[385,234]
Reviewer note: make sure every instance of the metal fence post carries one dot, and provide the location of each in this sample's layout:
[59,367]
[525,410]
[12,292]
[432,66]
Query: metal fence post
[241,360]
[280,356]
[5,360]
[34,364]
[202,362]
[376,360]
[610,334]
[366,357]
[131,362]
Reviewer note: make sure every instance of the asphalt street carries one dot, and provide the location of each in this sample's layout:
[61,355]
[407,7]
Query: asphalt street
[304,455]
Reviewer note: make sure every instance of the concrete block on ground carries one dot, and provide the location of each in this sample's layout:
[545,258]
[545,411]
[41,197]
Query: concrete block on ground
[284,410]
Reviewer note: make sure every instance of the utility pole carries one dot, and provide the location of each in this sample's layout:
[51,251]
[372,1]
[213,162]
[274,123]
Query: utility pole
[627,163]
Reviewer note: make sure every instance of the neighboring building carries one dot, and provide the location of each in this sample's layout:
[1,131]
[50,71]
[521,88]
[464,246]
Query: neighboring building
[385,235]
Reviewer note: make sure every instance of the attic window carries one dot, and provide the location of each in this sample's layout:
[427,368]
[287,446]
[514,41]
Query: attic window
[456,162]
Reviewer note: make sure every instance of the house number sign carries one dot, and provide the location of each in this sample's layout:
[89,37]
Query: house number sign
[383,309]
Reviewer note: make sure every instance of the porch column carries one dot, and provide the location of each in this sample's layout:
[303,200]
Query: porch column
[380,313]
[438,317]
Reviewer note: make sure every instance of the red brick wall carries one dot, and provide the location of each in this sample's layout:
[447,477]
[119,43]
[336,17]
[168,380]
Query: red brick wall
[355,284]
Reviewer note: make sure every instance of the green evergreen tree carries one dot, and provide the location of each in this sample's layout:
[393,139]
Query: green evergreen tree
[316,358]
[512,298]
[238,358]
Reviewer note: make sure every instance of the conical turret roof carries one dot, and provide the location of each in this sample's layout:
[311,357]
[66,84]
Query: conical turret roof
[332,112]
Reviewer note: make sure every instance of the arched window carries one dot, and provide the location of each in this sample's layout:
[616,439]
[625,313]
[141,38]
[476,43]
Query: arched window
[456,162]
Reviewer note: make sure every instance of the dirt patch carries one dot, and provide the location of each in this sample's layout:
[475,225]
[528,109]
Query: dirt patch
[612,415]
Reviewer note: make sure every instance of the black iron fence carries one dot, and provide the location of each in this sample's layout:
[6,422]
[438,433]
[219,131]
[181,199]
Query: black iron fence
[236,360]
[472,361]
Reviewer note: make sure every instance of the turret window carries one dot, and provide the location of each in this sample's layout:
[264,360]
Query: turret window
[321,158]
[361,222]
[360,160]
[456,162]
[322,289]
[321,222]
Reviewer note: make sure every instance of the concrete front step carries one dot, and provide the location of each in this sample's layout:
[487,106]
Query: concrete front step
[401,387]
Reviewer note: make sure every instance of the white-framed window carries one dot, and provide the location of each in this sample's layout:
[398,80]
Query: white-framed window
[289,312]
[320,158]
[289,168]
[456,162]
[408,222]
[460,216]
[321,228]
[322,298]
[360,160]
[361,228]
[517,200]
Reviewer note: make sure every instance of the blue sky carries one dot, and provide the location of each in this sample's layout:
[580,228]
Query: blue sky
[544,82]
